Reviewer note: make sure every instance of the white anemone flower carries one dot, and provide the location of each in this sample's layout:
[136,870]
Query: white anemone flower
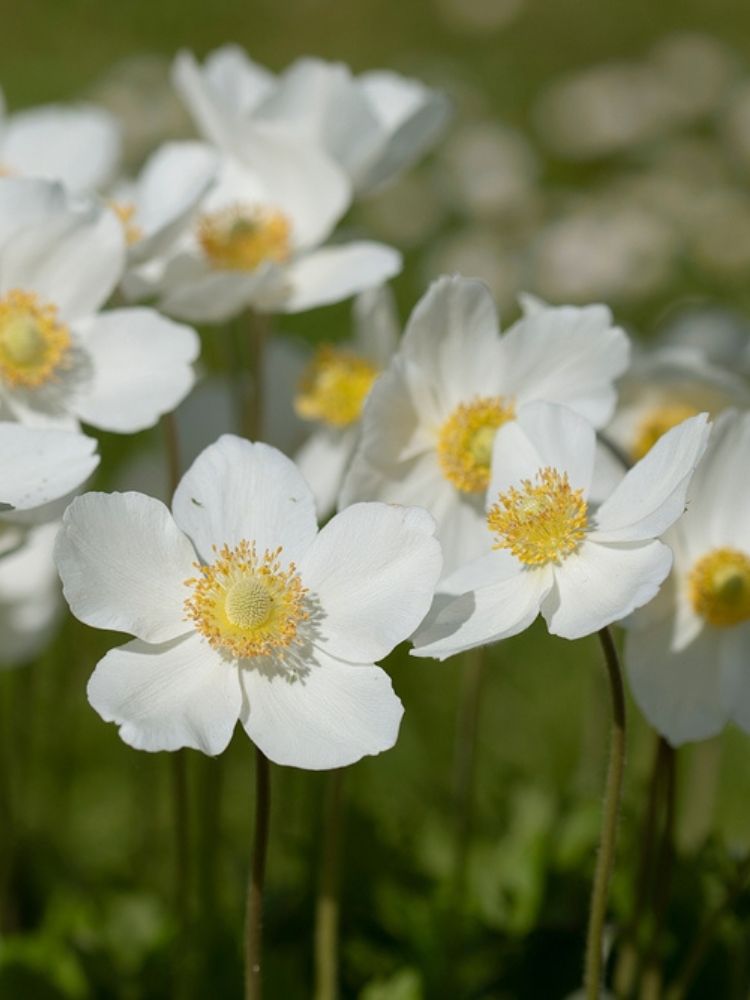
[582,566]
[686,655]
[332,391]
[40,466]
[431,418]
[61,360]
[78,145]
[374,125]
[242,609]
[30,599]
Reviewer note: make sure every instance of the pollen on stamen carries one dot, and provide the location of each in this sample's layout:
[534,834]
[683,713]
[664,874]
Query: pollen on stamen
[334,386]
[542,522]
[246,605]
[125,212]
[241,237]
[34,345]
[464,446]
[719,587]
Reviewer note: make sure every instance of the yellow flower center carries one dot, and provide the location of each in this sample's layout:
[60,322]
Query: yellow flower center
[334,386]
[125,212]
[245,605]
[34,346]
[241,237]
[719,587]
[543,521]
[465,441]
[657,422]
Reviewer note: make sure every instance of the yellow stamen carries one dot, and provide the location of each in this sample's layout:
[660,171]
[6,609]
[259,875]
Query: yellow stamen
[125,212]
[245,605]
[657,422]
[542,522]
[719,587]
[465,440]
[334,386]
[241,237]
[34,346]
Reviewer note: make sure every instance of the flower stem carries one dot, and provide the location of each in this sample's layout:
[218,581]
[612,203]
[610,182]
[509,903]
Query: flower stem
[465,767]
[327,903]
[611,809]
[254,917]
[252,421]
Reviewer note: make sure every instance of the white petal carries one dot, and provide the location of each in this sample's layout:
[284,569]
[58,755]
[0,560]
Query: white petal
[30,599]
[652,494]
[72,260]
[566,355]
[237,81]
[323,460]
[79,146]
[178,694]
[24,202]
[191,291]
[733,645]
[41,465]
[373,570]
[236,490]
[679,693]
[334,273]
[493,611]
[330,715]
[214,118]
[141,367]
[601,584]
[124,562]
[376,325]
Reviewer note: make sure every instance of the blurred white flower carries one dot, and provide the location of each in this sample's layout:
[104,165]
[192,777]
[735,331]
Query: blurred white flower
[61,360]
[243,610]
[481,251]
[78,145]
[30,598]
[478,17]
[699,68]
[332,391]
[581,567]
[373,125]
[722,337]
[431,417]
[687,654]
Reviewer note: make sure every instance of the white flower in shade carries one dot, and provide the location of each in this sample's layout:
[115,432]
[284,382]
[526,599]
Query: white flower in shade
[243,610]
[332,392]
[431,418]
[30,603]
[78,145]
[663,388]
[256,241]
[686,655]
[373,125]
[61,360]
[582,566]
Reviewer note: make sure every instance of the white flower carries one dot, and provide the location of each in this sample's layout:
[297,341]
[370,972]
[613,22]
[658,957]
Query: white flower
[687,654]
[30,601]
[333,389]
[430,420]
[61,360]
[554,552]
[373,125]
[277,625]
[78,145]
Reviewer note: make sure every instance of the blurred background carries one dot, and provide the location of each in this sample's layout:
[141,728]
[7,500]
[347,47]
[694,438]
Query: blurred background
[596,153]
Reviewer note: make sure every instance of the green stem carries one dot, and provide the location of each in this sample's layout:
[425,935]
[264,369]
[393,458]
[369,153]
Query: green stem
[254,912]
[465,768]
[611,809]
[7,828]
[327,903]
[258,335]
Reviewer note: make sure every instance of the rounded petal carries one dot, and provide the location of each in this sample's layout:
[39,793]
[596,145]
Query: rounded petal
[733,648]
[376,325]
[678,692]
[237,490]
[500,599]
[334,273]
[652,494]
[329,716]
[189,291]
[24,202]
[40,465]
[323,460]
[30,599]
[124,562]
[141,367]
[178,694]
[601,584]
[372,572]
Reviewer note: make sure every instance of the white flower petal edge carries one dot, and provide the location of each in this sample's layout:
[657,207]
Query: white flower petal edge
[124,562]
[334,273]
[40,465]
[333,715]
[179,694]
[359,561]
[236,490]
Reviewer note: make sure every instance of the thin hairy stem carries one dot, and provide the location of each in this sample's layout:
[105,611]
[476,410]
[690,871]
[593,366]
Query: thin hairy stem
[327,902]
[254,911]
